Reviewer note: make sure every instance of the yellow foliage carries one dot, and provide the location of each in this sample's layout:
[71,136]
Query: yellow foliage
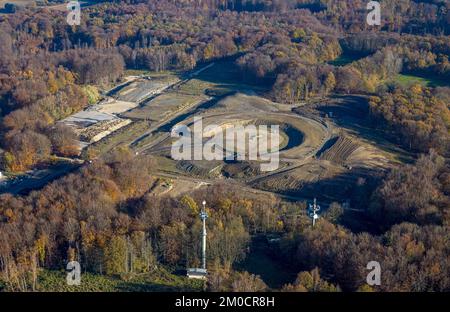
[190,204]
[208,52]
[416,89]
[298,33]
[9,214]
[91,93]
[365,288]
[280,225]
[52,84]
[40,246]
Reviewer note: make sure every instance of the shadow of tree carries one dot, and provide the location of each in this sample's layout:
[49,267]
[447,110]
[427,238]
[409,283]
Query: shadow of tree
[351,112]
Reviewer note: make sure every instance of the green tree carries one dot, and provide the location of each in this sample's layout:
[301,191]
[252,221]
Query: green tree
[115,256]
[330,82]
[310,282]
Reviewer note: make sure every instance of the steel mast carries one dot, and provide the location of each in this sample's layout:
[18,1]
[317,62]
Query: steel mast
[204,216]
[313,212]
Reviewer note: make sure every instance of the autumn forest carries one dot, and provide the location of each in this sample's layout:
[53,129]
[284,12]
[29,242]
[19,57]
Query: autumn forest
[303,55]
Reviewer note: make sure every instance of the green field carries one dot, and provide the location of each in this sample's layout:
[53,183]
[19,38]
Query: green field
[427,81]
[225,74]
[120,137]
[260,262]
[163,106]
[345,59]
[159,280]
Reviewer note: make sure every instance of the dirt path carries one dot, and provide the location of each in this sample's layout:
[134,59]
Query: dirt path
[244,188]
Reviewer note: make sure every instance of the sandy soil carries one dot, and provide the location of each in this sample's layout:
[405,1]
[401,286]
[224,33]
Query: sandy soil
[115,106]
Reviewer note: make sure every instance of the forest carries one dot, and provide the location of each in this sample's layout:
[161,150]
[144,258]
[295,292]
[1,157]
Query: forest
[52,70]
[103,216]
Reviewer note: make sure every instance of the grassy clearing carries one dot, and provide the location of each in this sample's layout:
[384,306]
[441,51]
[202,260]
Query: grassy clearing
[222,72]
[159,280]
[345,59]
[259,262]
[164,105]
[148,139]
[424,80]
[120,137]
[167,165]
[195,87]
[225,74]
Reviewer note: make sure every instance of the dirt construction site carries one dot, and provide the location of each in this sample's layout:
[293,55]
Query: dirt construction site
[103,118]
[316,157]
[322,154]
